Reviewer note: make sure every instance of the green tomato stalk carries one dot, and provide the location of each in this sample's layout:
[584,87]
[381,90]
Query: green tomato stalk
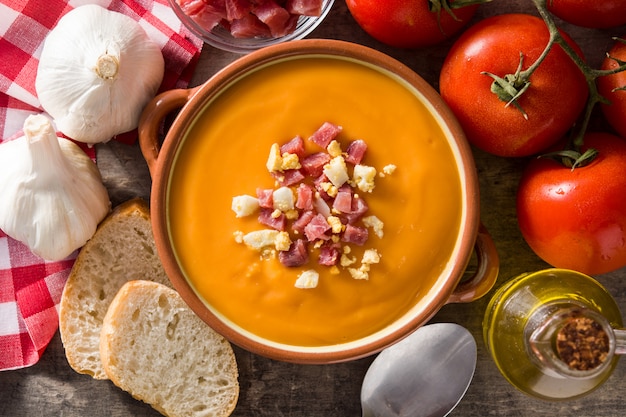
[512,86]
[437,6]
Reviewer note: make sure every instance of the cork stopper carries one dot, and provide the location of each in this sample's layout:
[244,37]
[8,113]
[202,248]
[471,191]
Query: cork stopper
[582,344]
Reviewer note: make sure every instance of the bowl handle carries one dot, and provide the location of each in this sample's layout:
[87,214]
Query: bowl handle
[154,113]
[486,273]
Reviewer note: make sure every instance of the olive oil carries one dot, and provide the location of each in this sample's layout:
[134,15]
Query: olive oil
[521,324]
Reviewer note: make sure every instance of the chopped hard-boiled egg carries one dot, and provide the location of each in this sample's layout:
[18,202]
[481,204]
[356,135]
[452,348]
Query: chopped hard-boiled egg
[336,171]
[375,224]
[244,205]
[307,279]
[283,199]
[363,176]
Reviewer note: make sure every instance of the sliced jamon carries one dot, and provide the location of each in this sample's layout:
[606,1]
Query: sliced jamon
[317,228]
[325,134]
[313,164]
[354,234]
[297,255]
[268,218]
[356,151]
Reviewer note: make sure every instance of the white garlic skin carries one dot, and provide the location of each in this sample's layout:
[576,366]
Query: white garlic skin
[51,193]
[97,71]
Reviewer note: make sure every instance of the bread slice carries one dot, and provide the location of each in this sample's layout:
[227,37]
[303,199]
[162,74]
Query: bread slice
[122,249]
[154,347]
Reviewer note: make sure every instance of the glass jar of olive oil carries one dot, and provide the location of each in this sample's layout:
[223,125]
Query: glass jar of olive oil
[553,334]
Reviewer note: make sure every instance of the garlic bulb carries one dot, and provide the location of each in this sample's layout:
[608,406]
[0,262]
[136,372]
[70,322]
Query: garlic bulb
[97,71]
[51,193]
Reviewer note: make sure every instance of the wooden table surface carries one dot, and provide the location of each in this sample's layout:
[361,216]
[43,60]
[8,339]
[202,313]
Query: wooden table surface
[271,388]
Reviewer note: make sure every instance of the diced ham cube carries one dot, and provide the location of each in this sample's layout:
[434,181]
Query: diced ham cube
[304,199]
[236,9]
[206,13]
[313,164]
[265,196]
[295,146]
[325,134]
[317,228]
[302,221]
[268,218]
[249,26]
[356,151]
[359,208]
[355,234]
[273,15]
[289,177]
[305,7]
[319,187]
[297,255]
[343,200]
[329,255]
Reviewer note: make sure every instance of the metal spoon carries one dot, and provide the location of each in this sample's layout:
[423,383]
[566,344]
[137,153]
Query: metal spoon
[424,375]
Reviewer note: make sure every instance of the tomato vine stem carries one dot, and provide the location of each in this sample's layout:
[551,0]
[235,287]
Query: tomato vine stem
[436,6]
[510,87]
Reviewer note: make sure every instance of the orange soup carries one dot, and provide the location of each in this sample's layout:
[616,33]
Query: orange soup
[224,155]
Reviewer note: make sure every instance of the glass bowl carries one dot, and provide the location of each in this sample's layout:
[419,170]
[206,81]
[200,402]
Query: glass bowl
[220,37]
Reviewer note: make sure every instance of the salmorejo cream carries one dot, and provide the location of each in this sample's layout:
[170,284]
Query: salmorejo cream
[232,160]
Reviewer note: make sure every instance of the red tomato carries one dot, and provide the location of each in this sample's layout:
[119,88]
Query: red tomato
[615,112]
[408,23]
[590,13]
[555,98]
[576,219]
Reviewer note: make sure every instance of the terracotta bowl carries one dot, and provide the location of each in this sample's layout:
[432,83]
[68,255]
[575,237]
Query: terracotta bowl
[283,335]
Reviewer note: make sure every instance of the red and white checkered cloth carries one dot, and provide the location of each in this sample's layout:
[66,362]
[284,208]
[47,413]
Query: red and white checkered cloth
[30,288]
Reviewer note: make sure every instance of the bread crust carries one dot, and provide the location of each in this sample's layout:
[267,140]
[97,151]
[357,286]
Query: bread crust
[121,249]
